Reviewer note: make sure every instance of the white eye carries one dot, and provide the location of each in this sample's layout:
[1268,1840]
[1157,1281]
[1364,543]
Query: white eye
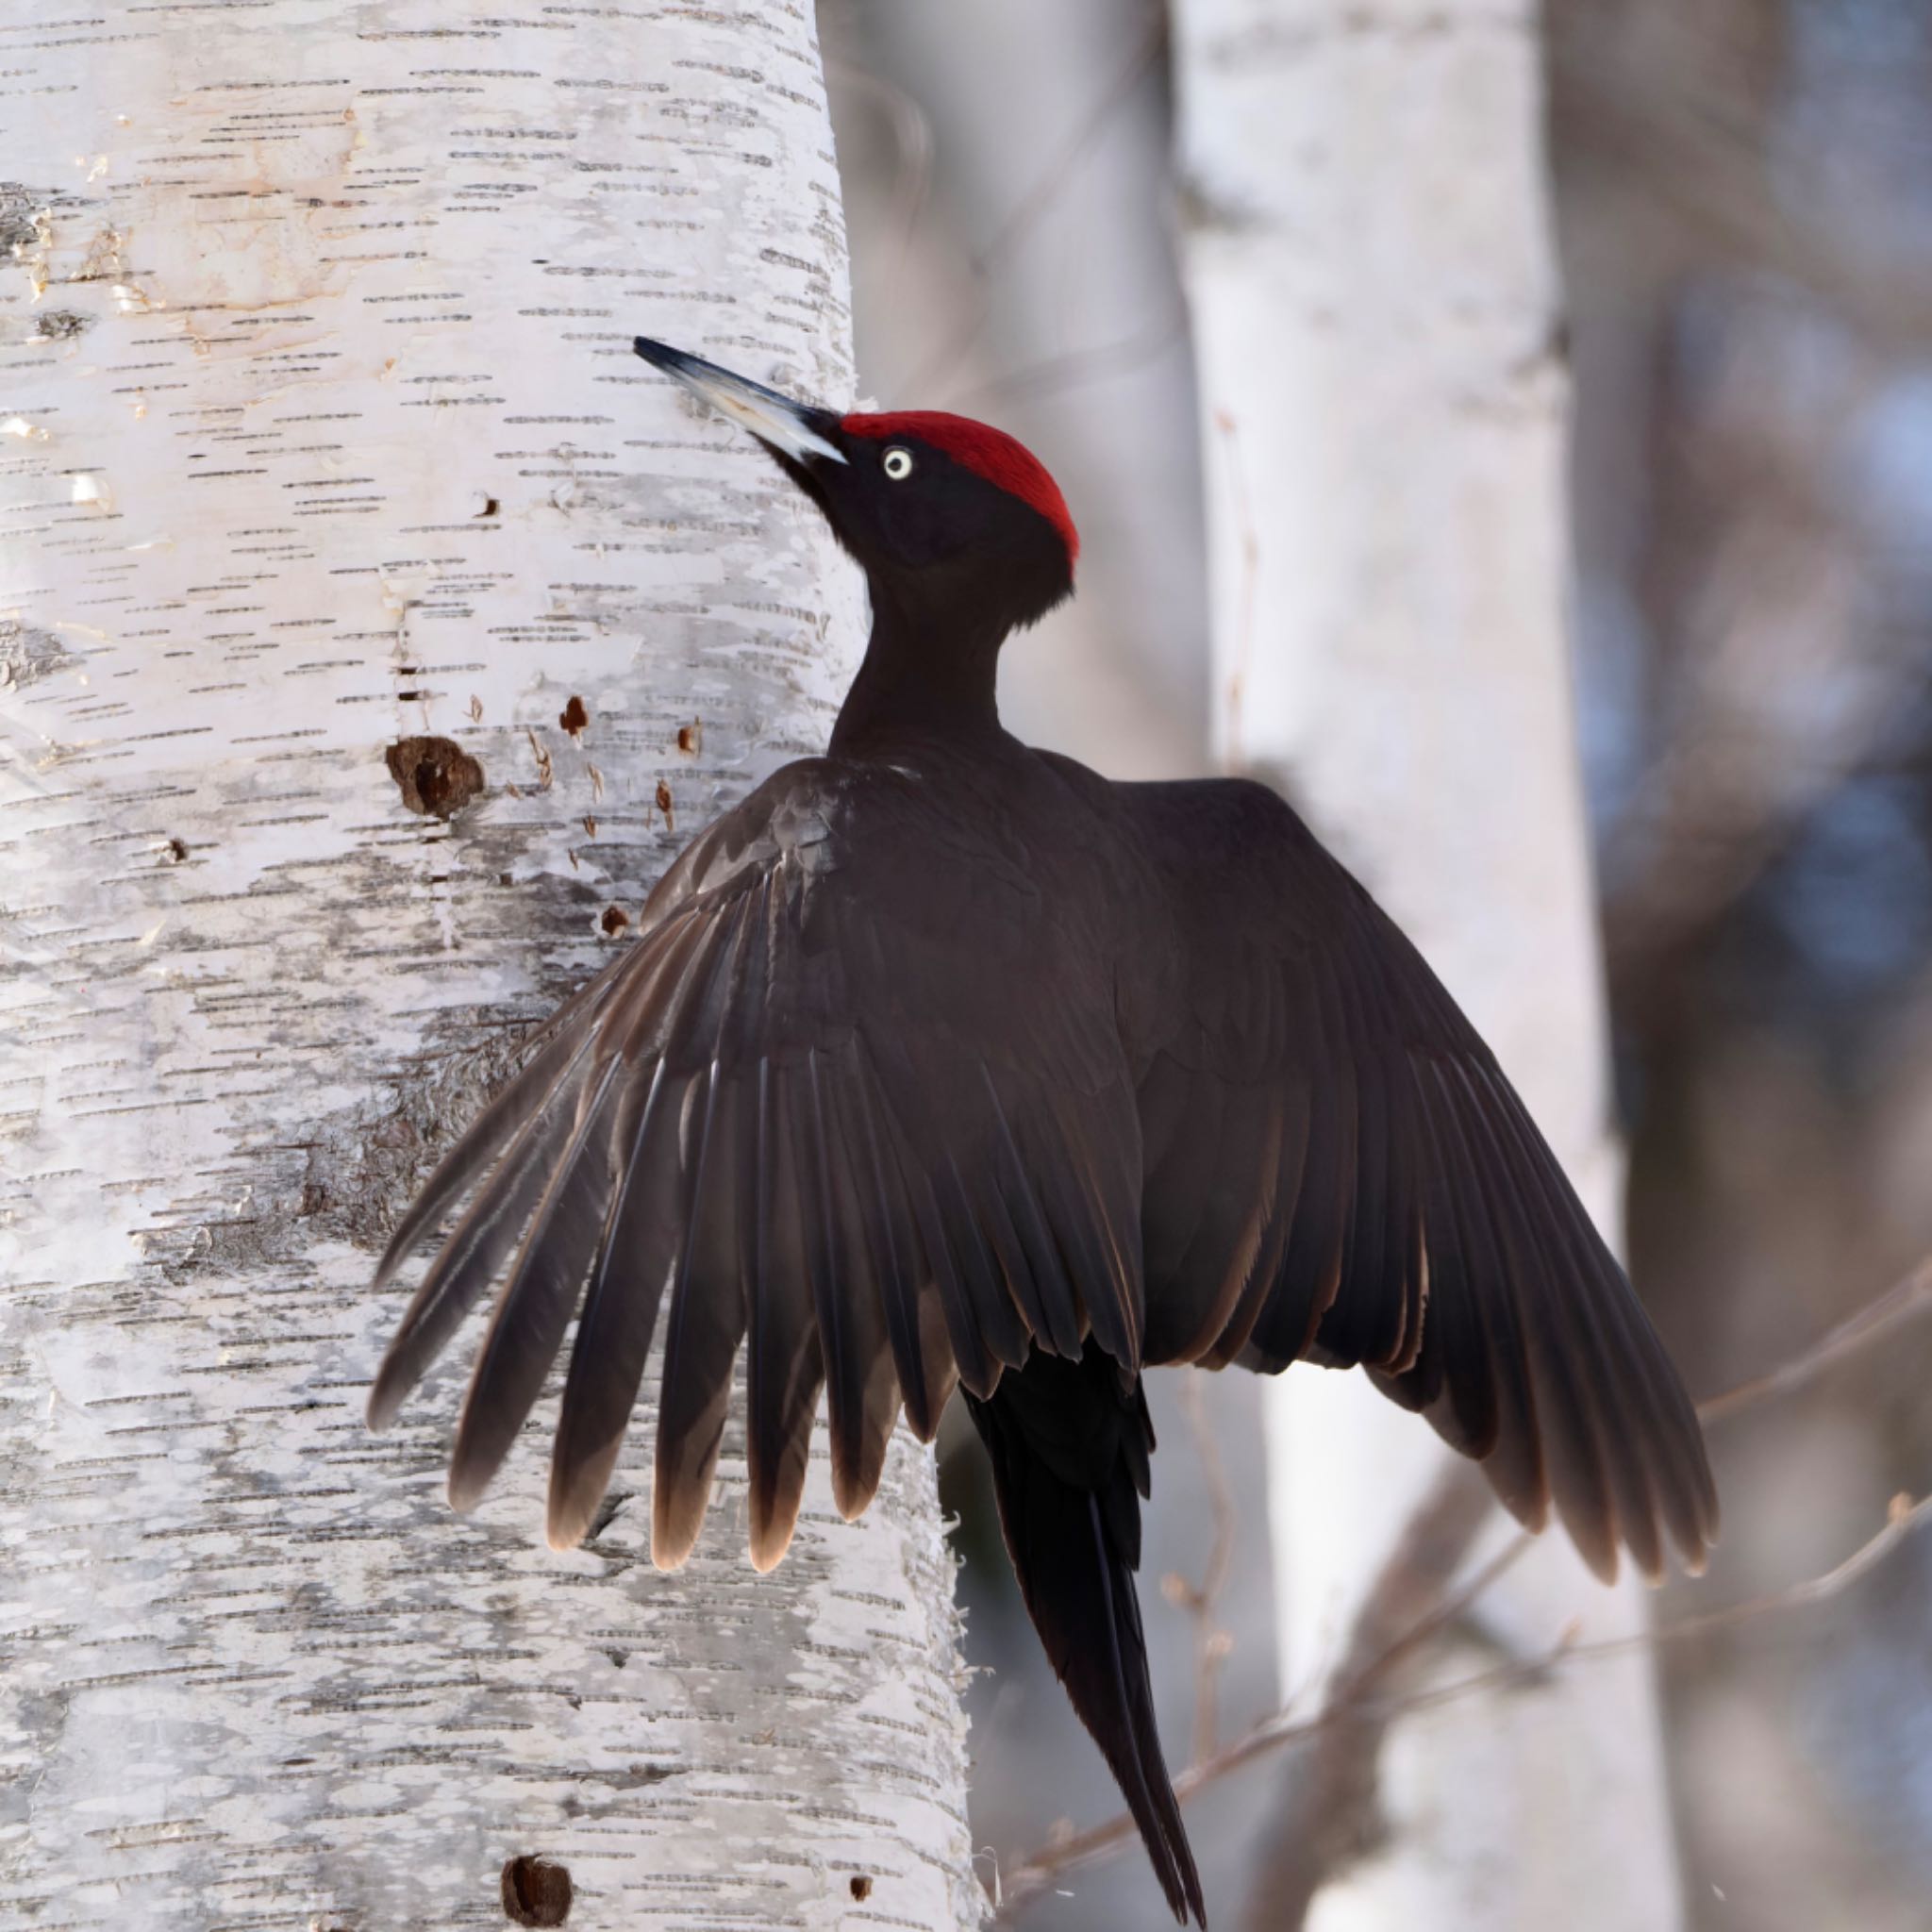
[898,464]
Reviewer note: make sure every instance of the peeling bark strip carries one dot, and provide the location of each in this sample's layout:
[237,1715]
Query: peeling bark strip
[348,488]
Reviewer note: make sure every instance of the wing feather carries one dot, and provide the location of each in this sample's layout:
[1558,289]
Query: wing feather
[539,1298]
[641,1242]
[783,1370]
[706,1323]
[483,1238]
[861,1390]
[555,1050]
[789,1120]
[1419,1226]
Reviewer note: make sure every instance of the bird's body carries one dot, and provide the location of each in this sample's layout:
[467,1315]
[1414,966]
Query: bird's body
[941,1059]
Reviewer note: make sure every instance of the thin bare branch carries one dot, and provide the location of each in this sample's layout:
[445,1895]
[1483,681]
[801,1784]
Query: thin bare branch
[1375,1649]
[1053,176]
[1040,1871]
[1048,185]
[1078,366]
[1899,1303]
[1200,1601]
[1328,1809]
[1903,1516]
[1279,1729]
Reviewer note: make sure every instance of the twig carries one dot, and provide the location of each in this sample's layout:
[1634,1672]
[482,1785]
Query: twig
[1076,366]
[1053,176]
[1029,1879]
[1370,1660]
[1212,1644]
[1901,1517]
[1329,1810]
[1373,1652]
[1048,186]
[1903,1299]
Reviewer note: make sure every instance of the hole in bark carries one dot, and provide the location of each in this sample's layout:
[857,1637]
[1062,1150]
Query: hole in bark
[573,717]
[435,776]
[491,507]
[664,805]
[861,1886]
[615,919]
[691,738]
[177,851]
[535,1892]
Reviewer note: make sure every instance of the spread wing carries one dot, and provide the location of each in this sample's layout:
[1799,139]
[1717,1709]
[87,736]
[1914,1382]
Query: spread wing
[1336,1170]
[851,1103]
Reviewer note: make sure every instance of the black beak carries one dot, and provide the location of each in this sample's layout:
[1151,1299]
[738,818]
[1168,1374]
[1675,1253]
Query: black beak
[789,429]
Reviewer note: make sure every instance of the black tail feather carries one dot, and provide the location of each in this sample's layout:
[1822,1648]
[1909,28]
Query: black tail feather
[1068,1442]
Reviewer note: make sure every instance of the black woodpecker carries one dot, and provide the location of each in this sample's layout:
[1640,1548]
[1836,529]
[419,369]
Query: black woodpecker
[940,1059]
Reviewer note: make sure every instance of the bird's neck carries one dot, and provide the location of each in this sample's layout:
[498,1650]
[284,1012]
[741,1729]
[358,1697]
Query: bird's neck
[927,673]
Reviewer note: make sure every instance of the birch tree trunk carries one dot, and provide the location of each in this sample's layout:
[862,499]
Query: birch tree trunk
[1378,327]
[372,628]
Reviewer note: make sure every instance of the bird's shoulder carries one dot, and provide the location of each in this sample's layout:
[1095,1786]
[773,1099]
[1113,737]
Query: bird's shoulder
[1226,835]
[979,844]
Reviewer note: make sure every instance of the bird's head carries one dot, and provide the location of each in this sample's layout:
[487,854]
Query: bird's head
[945,515]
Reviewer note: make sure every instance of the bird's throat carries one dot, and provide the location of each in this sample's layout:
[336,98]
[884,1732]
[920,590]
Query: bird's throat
[923,676]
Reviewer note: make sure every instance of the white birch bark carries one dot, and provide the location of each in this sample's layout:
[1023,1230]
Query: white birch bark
[329,491]
[1383,400]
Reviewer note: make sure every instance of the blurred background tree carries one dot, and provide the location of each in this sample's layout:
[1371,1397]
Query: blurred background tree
[1744,229]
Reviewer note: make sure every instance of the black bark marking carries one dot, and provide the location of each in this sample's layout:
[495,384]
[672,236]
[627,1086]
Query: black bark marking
[30,653]
[535,1892]
[19,215]
[61,325]
[435,776]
